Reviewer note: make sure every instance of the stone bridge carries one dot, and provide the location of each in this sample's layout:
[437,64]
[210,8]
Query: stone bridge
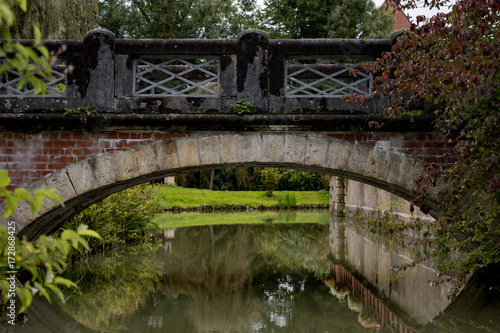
[122,112]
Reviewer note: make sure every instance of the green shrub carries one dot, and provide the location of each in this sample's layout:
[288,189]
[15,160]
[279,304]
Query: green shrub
[270,178]
[296,180]
[287,200]
[122,217]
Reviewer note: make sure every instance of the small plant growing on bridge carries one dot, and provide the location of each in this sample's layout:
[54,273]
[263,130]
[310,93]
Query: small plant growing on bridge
[242,106]
[87,110]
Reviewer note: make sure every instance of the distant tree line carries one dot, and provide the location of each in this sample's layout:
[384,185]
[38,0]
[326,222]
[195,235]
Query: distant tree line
[254,179]
[71,19]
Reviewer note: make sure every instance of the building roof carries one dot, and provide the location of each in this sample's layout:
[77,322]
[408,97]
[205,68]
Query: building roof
[402,21]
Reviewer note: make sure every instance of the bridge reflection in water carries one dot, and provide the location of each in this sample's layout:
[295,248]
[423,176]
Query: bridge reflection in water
[402,300]
[370,302]
[273,271]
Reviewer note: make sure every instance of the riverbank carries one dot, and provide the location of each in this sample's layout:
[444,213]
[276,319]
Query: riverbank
[178,199]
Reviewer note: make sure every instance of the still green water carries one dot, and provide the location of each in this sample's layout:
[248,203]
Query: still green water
[271,277]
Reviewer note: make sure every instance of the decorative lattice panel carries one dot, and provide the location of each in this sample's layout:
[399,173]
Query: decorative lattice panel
[307,77]
[198,77]
[55,83]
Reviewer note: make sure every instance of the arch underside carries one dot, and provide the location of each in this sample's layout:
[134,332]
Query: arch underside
[91,180]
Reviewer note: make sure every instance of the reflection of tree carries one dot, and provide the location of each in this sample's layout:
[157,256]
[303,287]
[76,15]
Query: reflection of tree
[216,278]
[210,265]
[218,260]
[115,285]
[299,248]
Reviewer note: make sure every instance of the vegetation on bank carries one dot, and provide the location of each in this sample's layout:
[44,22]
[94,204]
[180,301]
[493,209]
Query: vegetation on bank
[122,217]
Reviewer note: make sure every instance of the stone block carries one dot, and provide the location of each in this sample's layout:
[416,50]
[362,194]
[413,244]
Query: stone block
[316,150]
[104,170]
[379,164]
[338,155]
[273,146]
[126,166]
[166,152]
[358,159]
[295,149]
[209,150]
[82,175]
[59,180]
[146,159]
[230,148]
[415,171]
[251,148]
[399,172]
[187,150]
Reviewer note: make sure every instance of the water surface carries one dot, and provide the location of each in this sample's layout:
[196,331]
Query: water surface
[269,277]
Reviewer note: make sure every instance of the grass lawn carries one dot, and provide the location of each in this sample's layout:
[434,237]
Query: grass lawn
[173,221]
[174,196]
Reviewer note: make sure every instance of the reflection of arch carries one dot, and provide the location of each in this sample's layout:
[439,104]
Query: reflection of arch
[84,183]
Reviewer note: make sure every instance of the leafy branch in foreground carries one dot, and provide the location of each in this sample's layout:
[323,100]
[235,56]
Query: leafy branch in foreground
[42,261]
[453,61]
[30,62]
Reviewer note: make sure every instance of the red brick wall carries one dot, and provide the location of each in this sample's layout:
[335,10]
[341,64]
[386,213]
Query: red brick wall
[427,147]
[28,157]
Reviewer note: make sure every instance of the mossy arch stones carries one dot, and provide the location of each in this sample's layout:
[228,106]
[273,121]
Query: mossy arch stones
[91,180]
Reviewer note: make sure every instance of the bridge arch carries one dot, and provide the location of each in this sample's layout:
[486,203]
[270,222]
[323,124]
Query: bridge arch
[91,180]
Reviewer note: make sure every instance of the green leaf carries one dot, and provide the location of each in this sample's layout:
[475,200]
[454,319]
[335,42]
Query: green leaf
[43,292]
[84,231]
[56,291]
[49,278]
[4,178]
[22,4]
[37,34]
[66,282]
[5,285]
[5,67]
[6,13]
[51,194]
[25,296]
[23,194]
[11,203]
[44,51]
[36,204]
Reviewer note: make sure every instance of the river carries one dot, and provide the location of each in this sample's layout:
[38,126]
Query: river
[280,275]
